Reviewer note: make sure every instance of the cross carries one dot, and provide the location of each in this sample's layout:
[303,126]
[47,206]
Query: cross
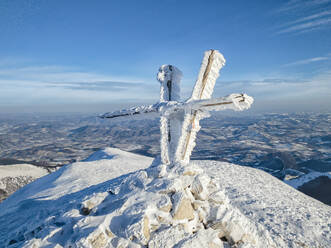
[179,121]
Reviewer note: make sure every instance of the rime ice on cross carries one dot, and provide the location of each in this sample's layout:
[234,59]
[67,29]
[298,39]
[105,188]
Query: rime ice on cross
[179,122]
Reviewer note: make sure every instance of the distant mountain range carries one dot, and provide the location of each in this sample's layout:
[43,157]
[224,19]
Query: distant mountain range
[288,146]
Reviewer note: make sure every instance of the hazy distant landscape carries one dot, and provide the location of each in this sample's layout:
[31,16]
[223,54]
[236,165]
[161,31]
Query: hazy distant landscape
[288,146]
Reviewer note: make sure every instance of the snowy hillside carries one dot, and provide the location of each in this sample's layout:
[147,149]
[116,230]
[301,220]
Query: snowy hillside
[96,203]
[13,177]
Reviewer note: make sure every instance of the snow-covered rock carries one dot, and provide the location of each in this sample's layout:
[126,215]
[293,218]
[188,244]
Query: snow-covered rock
[116,199]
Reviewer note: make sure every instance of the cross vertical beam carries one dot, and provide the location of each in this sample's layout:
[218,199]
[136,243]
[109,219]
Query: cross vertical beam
[212,62]
[169,77]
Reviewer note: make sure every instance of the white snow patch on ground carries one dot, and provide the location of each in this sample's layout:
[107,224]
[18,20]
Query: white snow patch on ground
[13,177]
[95,204]
[16,170]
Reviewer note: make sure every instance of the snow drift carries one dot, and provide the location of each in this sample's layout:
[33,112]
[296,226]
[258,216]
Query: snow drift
[119,199]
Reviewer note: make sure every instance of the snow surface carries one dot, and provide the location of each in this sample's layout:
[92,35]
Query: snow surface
[97,204]
[16,170]
[13,177]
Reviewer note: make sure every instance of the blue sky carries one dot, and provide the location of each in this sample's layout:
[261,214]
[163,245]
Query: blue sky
[70,55]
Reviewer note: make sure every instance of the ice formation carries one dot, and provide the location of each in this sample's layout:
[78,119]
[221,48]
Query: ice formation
[179,121]
[169,77]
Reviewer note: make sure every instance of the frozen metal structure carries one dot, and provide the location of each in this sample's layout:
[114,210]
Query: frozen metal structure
[179,121]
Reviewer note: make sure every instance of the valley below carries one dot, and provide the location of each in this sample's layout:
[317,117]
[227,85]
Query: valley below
[295,148]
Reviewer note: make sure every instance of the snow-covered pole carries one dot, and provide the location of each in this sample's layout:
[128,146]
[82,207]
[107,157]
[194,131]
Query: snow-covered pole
[169,77]
[211,64]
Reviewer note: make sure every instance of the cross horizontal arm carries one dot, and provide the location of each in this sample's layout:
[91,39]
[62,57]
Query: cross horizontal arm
[234,101]
[132,111]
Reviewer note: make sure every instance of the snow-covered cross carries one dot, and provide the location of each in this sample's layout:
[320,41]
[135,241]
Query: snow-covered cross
[179,122]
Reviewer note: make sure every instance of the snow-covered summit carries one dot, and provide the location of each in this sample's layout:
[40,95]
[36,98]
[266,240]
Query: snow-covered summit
[116,199]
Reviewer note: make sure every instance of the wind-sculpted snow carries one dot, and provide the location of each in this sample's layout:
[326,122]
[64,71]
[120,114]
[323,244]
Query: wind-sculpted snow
[205,204]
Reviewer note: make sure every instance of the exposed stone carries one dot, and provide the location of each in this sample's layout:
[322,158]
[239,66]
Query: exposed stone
[166,237]
[202,216]
[218,198]
[199,187]
[109,233]
[235,232]
[246,238]
[137,229]
[184,210]
[197,204]
[171,186]
[212,244]
[165,204]
[219,226]
[85,211]
[191,170]
[89,204]
[190,173]
[199,240]
[146,228]
[98,241]
[154,227]
[166,208]
[186,181]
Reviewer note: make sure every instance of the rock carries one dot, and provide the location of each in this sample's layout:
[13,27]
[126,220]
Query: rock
[109,233]
[89,204]
[183,207]
[197,204]
[123,243]
[164,204]
[135,228]
[98,241]
[218,198]
[191,170]
[231,231]
[199,240]
[167,236]
[199,187]
[146,228]
[220,228]
[234,232]
[154,227]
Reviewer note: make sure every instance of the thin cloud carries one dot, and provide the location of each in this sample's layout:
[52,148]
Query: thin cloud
[98,86]
[278,90]
[324,22]
[308,16]
[302,4]
[50,74]
[60,84]
[306,61]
